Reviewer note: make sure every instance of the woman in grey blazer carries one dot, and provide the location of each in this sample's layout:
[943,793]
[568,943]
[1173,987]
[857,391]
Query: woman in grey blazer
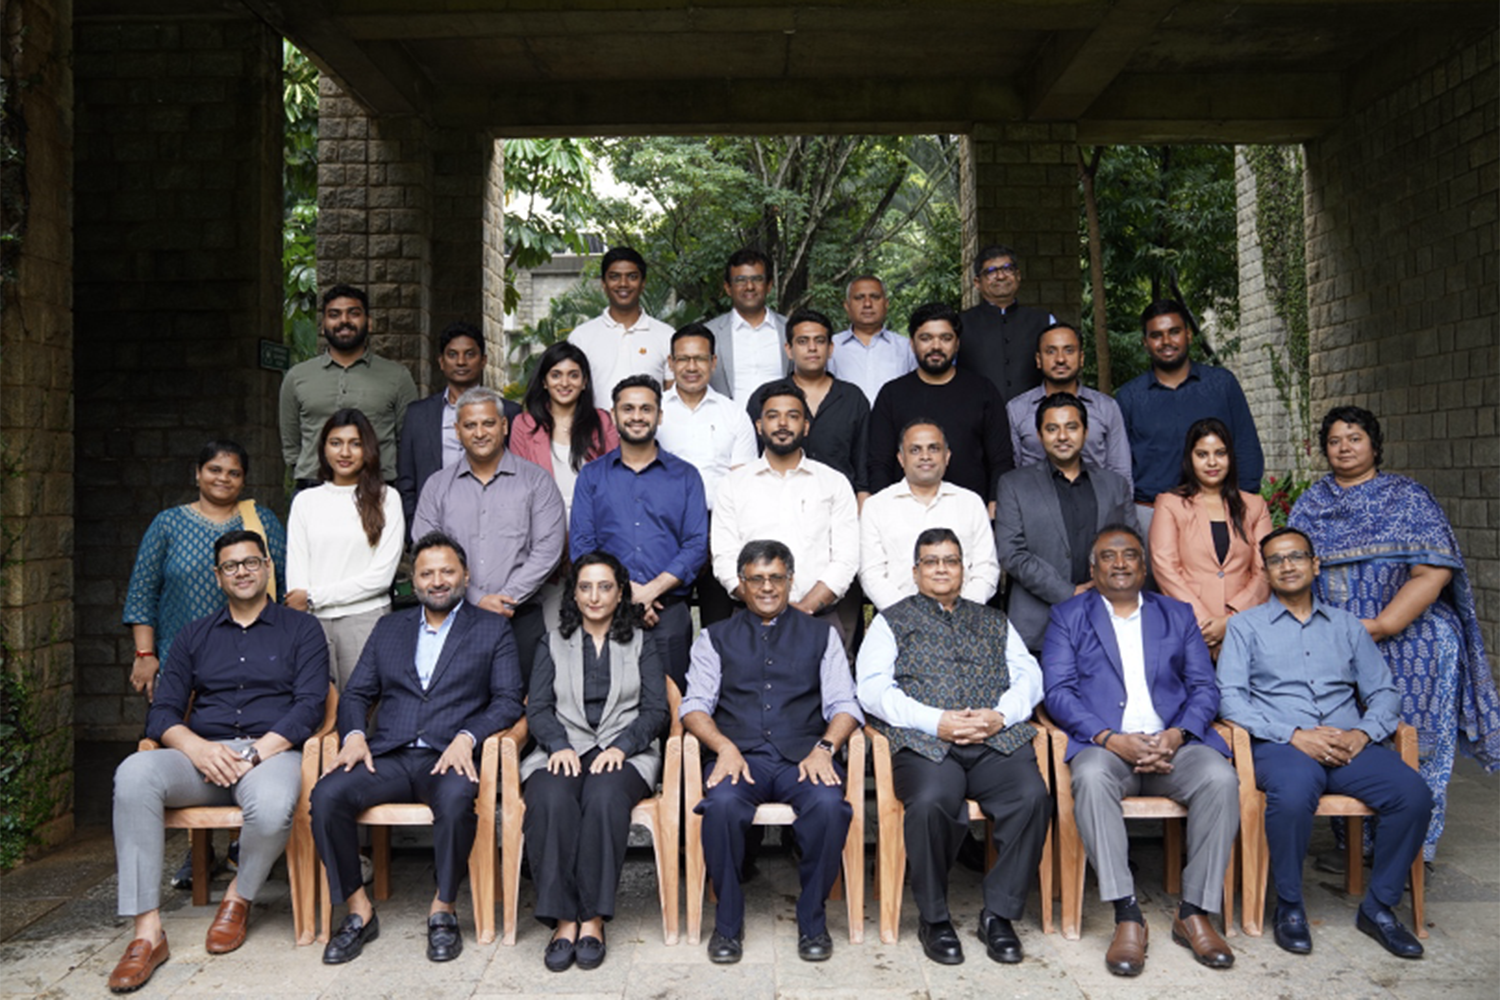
[598,702]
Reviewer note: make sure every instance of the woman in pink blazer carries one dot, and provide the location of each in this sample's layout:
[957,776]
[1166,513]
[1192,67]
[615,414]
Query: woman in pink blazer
[1205,535]
[558,427]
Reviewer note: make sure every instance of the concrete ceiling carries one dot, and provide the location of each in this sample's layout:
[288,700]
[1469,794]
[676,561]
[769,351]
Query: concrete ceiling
[1124,70]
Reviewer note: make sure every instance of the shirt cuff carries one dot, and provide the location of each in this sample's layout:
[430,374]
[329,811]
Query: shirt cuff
[472,738]
[926,719]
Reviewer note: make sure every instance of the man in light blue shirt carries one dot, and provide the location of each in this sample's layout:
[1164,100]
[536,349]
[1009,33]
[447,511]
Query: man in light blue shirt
[868,354]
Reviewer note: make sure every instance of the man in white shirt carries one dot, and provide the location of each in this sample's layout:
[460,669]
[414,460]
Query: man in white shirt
[623,340]
[1130,681]
[952,655]
[787,497]
[893,518]
[868,354]
[709,431]
[749,335]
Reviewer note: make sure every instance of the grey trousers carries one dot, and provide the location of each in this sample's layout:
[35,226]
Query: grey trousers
[1201,779]
[346,640]
[148,782]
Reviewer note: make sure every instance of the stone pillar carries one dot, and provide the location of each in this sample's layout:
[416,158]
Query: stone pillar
[36,418]
[177,275]
[1404,279]
[492,301]
[1018,186]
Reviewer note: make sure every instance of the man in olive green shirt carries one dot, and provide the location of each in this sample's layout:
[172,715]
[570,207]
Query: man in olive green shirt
[349,375]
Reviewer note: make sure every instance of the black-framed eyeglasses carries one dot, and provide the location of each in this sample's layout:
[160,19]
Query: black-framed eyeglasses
[232,566]
[740,280]
[1294,558]
[952,562]
[999,269]
[761,579]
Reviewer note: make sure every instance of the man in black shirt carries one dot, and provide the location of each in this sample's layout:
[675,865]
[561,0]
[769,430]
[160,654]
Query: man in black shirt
[1000,333]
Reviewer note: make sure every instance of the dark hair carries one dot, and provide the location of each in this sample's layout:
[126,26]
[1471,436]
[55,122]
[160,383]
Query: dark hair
[224,446]
[440,540]
[699,329]
[920,421]
[765,550]
[1058,326]
[627,254]
[934,536]
[806,315]
[1057,401]
[1162,307]
[342,291]
[1118,528]
[934,311]
[369,488]
[990,253]
[636,382]
[627,616]
[1229,488]
[587,433]
[453,331]
[237,537]
[1286,529]
[1360,417]
[745,257]
[782,387]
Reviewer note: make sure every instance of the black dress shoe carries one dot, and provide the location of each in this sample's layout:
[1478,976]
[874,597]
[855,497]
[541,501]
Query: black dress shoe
[725,950]
[940,942]
[444,942]
[590,951]
[815,947]
[559,954]
[351,939]
[1000,938]
[1292,933]
[1386,929]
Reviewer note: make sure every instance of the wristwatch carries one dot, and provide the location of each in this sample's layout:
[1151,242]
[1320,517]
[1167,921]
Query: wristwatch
[824,745]
[251,754]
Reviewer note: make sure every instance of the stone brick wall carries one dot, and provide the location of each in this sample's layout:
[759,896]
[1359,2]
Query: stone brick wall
[36,401]
[1018,186]
[177,277]
[1404,279]
[492,254]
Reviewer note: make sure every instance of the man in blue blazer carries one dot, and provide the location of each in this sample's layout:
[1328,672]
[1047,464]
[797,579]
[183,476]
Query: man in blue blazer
[444,676]
[1130,681]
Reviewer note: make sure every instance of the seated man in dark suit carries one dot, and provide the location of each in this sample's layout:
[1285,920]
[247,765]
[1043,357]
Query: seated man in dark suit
[1130,681]
[769,695]
[951,685]
[1310,737]
[445,677]
[428,438]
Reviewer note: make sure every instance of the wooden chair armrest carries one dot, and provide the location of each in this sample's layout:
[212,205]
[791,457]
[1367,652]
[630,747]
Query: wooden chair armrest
[854,780]
[1406,744]
[1244,762]
[880,756]
[1040,718]
[510,742]
[692,771]
[674,709]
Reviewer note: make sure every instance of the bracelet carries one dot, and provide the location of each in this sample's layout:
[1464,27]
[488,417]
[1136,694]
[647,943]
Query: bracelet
[141,654]
[1105,741]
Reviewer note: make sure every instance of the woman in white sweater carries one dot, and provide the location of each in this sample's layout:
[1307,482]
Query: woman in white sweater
[344,540]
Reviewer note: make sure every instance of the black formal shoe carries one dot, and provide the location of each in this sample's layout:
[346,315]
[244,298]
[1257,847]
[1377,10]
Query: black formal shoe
[1000,938]
[940,942]
[590,951]
[351,939]
[1386,929]
[444,942]
[814,947]
[1292,933]
[725,950]
[559,954]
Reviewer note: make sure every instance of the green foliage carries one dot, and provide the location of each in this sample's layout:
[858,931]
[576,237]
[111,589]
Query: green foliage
[24,804]
[1281,492]
[299,226]
[549,201]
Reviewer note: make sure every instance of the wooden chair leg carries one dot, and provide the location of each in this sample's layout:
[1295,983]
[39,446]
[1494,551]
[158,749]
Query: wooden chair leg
[380,847]
[1045,874]
[695,874]
[1253,863]
[1354,856]
[1229,873]
[482,867]
[1070,846]
[202,845]
[1419,895]
[1172,839]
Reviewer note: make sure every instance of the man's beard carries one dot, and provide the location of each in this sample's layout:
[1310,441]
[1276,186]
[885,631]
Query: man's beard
[346,337]
[929,368]
[442,604]
[630,438]
[789,448]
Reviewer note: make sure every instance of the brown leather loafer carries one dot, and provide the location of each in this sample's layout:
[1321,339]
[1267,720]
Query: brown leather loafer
[1197,932]
[139,963]
[1127,952]
[227,932]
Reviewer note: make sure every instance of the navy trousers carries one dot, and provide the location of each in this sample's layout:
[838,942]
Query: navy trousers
[821,826]
[1378,777]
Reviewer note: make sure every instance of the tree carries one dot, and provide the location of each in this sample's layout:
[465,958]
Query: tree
[299,220]
[549,202]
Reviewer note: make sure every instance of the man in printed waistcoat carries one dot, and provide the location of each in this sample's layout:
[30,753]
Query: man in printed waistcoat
[770,697]
[951,684]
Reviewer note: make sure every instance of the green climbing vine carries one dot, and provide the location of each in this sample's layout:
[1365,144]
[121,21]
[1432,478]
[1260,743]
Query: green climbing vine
[1283,245]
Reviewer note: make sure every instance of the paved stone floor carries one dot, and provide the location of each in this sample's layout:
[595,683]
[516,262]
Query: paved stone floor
[59,937]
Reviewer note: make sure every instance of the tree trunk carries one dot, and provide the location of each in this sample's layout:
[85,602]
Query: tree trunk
[1086,172]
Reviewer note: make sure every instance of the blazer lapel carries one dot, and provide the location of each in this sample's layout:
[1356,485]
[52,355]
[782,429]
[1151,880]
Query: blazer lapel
[1099,618]
[572,669]
[1153,635]
[461,624]
[1051,509]
[408,650]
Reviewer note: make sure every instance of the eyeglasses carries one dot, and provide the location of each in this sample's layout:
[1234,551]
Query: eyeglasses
[741,280]
[999,269]
[233,566]
[929,562]
[1294,558]
[760,580]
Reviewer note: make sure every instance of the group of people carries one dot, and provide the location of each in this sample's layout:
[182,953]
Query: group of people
[778,474]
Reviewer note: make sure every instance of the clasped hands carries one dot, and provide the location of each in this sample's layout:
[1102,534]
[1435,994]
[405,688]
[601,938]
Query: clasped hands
[969,725]
[1330,745]
[1147,753]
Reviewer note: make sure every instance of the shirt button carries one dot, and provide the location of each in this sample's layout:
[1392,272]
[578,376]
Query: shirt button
[1221,574]
[768,687]
[1122,704]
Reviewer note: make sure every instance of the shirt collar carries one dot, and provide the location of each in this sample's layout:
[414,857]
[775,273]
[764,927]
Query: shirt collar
[848,335]
[617,457]
[266,616]
[1083,474]
[763,465]
[447,622]
[903,488]
[1192,376]
[1277,608]
[738,322]
[328,362]
[507,466]
[1109,609]
[641,322]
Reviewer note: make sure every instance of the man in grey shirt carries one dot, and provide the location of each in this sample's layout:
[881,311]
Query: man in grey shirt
[507,514]
[349,375]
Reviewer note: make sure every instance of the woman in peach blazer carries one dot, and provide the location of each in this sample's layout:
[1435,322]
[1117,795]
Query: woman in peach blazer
[1205,535]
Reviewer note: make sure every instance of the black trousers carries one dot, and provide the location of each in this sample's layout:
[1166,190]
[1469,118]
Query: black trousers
[577,829]
[530,628]
[673,636]
[401,775]
[1010,791]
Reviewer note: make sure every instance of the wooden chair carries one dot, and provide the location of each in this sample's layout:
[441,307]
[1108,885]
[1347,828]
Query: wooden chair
[890,838]
[202,821]
[1257,856]
[777,814]
[660,813]
[484,871]
[1070,844]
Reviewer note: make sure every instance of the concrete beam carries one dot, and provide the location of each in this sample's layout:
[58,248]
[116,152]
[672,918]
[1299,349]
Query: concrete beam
[1073,68]
[1216,107]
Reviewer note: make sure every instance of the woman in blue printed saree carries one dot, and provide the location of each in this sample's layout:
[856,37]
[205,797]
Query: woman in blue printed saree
[1389,556]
